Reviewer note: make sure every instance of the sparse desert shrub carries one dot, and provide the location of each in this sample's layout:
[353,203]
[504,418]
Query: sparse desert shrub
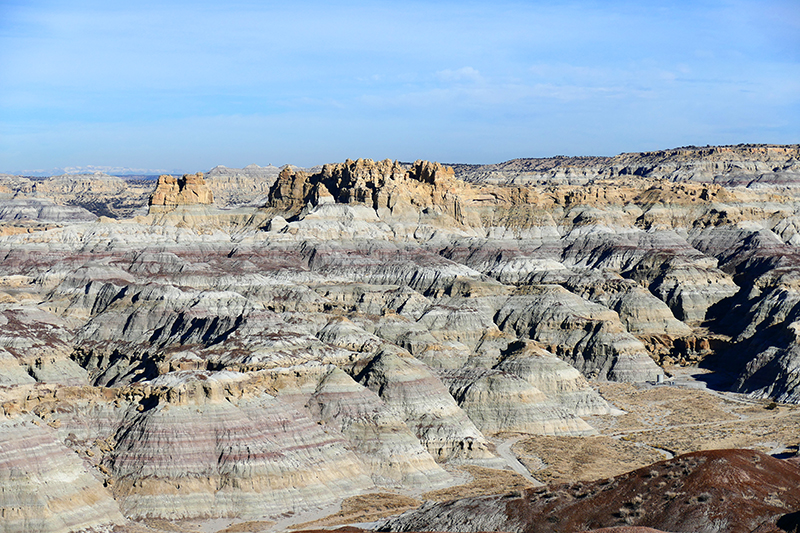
[703,497]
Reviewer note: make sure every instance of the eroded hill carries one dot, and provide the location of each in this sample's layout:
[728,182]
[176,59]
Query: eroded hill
[373,326]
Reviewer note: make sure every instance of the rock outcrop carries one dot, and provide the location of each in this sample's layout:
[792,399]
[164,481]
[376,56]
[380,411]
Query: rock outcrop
[98,193]
[500,401]
[172,192]
[382,439]
[200,452]
[426,405]
[556,379]
[35,347]
[42,210]
[588,336]
[421,198]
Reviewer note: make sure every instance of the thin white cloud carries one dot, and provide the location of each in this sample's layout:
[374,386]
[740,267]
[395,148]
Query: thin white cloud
[421,76]
[463,74]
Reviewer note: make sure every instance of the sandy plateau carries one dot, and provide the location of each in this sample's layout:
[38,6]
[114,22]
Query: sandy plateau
[564,344]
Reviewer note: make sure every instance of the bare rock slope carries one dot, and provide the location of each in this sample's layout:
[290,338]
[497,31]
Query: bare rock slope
[371,323]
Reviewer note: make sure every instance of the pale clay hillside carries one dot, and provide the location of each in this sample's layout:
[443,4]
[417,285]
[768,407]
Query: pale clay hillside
[262,348]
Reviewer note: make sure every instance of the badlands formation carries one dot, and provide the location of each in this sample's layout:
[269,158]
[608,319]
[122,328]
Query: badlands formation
[261,344]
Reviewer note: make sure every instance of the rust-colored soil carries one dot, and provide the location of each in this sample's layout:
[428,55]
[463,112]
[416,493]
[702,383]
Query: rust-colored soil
[719,490]
[735,491]
[659,422]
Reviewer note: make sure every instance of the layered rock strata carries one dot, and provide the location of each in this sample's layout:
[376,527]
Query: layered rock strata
[589,336]
[554,377]
[500,401]
[382,439]
[731,165]
[46,487]
[201,453]
[98,193]
[373,321]
[20,210]
[410,388]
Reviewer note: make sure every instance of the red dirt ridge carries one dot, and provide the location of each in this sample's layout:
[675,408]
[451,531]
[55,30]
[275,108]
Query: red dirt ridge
[730,491]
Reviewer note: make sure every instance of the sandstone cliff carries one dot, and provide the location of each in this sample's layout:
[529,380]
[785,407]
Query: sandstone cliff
[172,192]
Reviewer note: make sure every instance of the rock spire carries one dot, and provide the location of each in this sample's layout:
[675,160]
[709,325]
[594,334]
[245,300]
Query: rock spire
[172,192]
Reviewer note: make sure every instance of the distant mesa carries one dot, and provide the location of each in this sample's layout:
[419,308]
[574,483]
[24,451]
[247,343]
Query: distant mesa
[172,192]
[241,186]
[743,164]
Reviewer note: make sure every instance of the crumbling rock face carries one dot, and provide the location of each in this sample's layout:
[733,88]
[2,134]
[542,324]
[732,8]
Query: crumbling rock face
[393,191]
[588,336]
[171,192]
[35,347]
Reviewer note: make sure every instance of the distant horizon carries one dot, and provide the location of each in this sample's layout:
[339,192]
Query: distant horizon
[122,172]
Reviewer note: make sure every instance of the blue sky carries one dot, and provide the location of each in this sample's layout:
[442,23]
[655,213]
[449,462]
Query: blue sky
[187,85]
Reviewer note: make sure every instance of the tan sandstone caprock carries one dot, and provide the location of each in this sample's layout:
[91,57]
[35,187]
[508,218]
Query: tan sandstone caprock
[171,192]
